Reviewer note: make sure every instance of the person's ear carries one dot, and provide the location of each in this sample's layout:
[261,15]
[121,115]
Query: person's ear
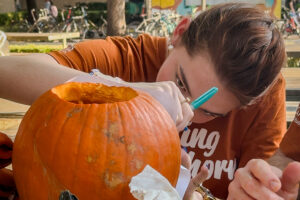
[179,30]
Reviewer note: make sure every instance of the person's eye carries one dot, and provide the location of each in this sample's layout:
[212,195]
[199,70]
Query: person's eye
[180,84]
[208,114]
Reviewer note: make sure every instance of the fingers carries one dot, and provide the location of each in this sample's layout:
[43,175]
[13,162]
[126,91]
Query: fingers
[236,192]
[261,170]
[185,159]
[252,186]
[195,182]
[186,116]
[291,177]
[185,112]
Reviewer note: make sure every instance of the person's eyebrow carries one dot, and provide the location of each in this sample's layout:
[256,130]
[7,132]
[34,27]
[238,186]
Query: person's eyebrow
[184,80]
[212,113]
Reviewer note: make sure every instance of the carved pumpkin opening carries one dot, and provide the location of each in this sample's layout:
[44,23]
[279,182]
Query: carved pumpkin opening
[89,93]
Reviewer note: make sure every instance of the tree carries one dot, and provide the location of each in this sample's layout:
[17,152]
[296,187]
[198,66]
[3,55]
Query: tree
[116,23]
[148,8]
[31,4]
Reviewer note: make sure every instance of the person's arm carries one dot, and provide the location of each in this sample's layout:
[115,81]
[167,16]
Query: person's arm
[279,160]
[292,6]
[24,78]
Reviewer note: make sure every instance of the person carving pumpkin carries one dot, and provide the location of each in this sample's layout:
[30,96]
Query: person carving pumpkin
[233,46]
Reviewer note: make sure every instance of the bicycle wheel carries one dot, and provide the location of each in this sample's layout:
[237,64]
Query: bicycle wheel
[45,26]
[158,29]
[102,31]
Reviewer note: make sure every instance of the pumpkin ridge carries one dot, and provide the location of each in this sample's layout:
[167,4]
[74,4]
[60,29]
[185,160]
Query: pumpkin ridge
[123,125]
[34,132]
[53,148]
[146,121]
[85,113]
[120,119]
[56,148]
[162,121]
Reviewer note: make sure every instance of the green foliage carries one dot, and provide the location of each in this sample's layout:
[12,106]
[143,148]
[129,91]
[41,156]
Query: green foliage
[13,21]
[293,62]
[11,17]
[34,48]
[97,6]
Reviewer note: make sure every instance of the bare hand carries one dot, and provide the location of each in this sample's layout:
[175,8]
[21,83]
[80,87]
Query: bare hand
[290,181]
[258,180]
[191,193]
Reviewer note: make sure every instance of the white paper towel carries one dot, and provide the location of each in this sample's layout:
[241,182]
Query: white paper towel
[183,181]
[151,185]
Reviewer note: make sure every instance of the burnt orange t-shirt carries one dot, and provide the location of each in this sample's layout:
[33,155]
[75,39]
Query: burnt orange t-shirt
[223,144]
[290,144]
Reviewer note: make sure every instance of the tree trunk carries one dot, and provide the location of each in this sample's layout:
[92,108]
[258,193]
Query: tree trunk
[116,24]
[31,4]
[148,8]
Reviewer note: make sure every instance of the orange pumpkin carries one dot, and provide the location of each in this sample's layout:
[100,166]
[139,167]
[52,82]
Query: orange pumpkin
[91,139]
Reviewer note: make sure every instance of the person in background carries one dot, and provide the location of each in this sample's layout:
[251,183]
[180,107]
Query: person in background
[47,4]
[53,9]
[234,47]
[291,5]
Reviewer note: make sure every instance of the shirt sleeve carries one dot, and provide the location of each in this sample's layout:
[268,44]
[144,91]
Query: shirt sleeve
[268,127]
[132,59]
[290,143]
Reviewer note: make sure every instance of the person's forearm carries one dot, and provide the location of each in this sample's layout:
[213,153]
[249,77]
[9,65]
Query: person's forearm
[24,78]
[279,160]
[292,7]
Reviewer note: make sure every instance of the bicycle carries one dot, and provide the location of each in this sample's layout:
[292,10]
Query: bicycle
[80,23]
[45,22]
[287,26]
[102,30]
[159,24]
[68,24]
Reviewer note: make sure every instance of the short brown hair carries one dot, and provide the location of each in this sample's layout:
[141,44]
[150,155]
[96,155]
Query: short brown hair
[243,44]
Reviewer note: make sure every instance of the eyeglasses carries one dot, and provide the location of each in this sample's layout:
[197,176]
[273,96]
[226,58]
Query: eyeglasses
[182,83]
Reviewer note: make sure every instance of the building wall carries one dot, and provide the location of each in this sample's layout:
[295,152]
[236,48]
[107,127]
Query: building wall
[7,6]
[60,3]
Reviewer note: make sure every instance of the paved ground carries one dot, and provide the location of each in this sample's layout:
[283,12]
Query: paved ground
[10,116]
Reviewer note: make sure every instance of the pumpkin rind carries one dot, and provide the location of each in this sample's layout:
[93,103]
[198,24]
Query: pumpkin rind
[92,149]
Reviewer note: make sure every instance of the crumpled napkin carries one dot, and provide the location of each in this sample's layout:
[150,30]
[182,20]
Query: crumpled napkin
[151,185]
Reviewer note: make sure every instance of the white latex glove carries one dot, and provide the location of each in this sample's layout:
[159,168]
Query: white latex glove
[167,93]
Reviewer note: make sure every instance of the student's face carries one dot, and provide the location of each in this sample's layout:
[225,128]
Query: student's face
[194,76]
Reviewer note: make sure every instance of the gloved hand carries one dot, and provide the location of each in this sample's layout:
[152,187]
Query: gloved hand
[167,93]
